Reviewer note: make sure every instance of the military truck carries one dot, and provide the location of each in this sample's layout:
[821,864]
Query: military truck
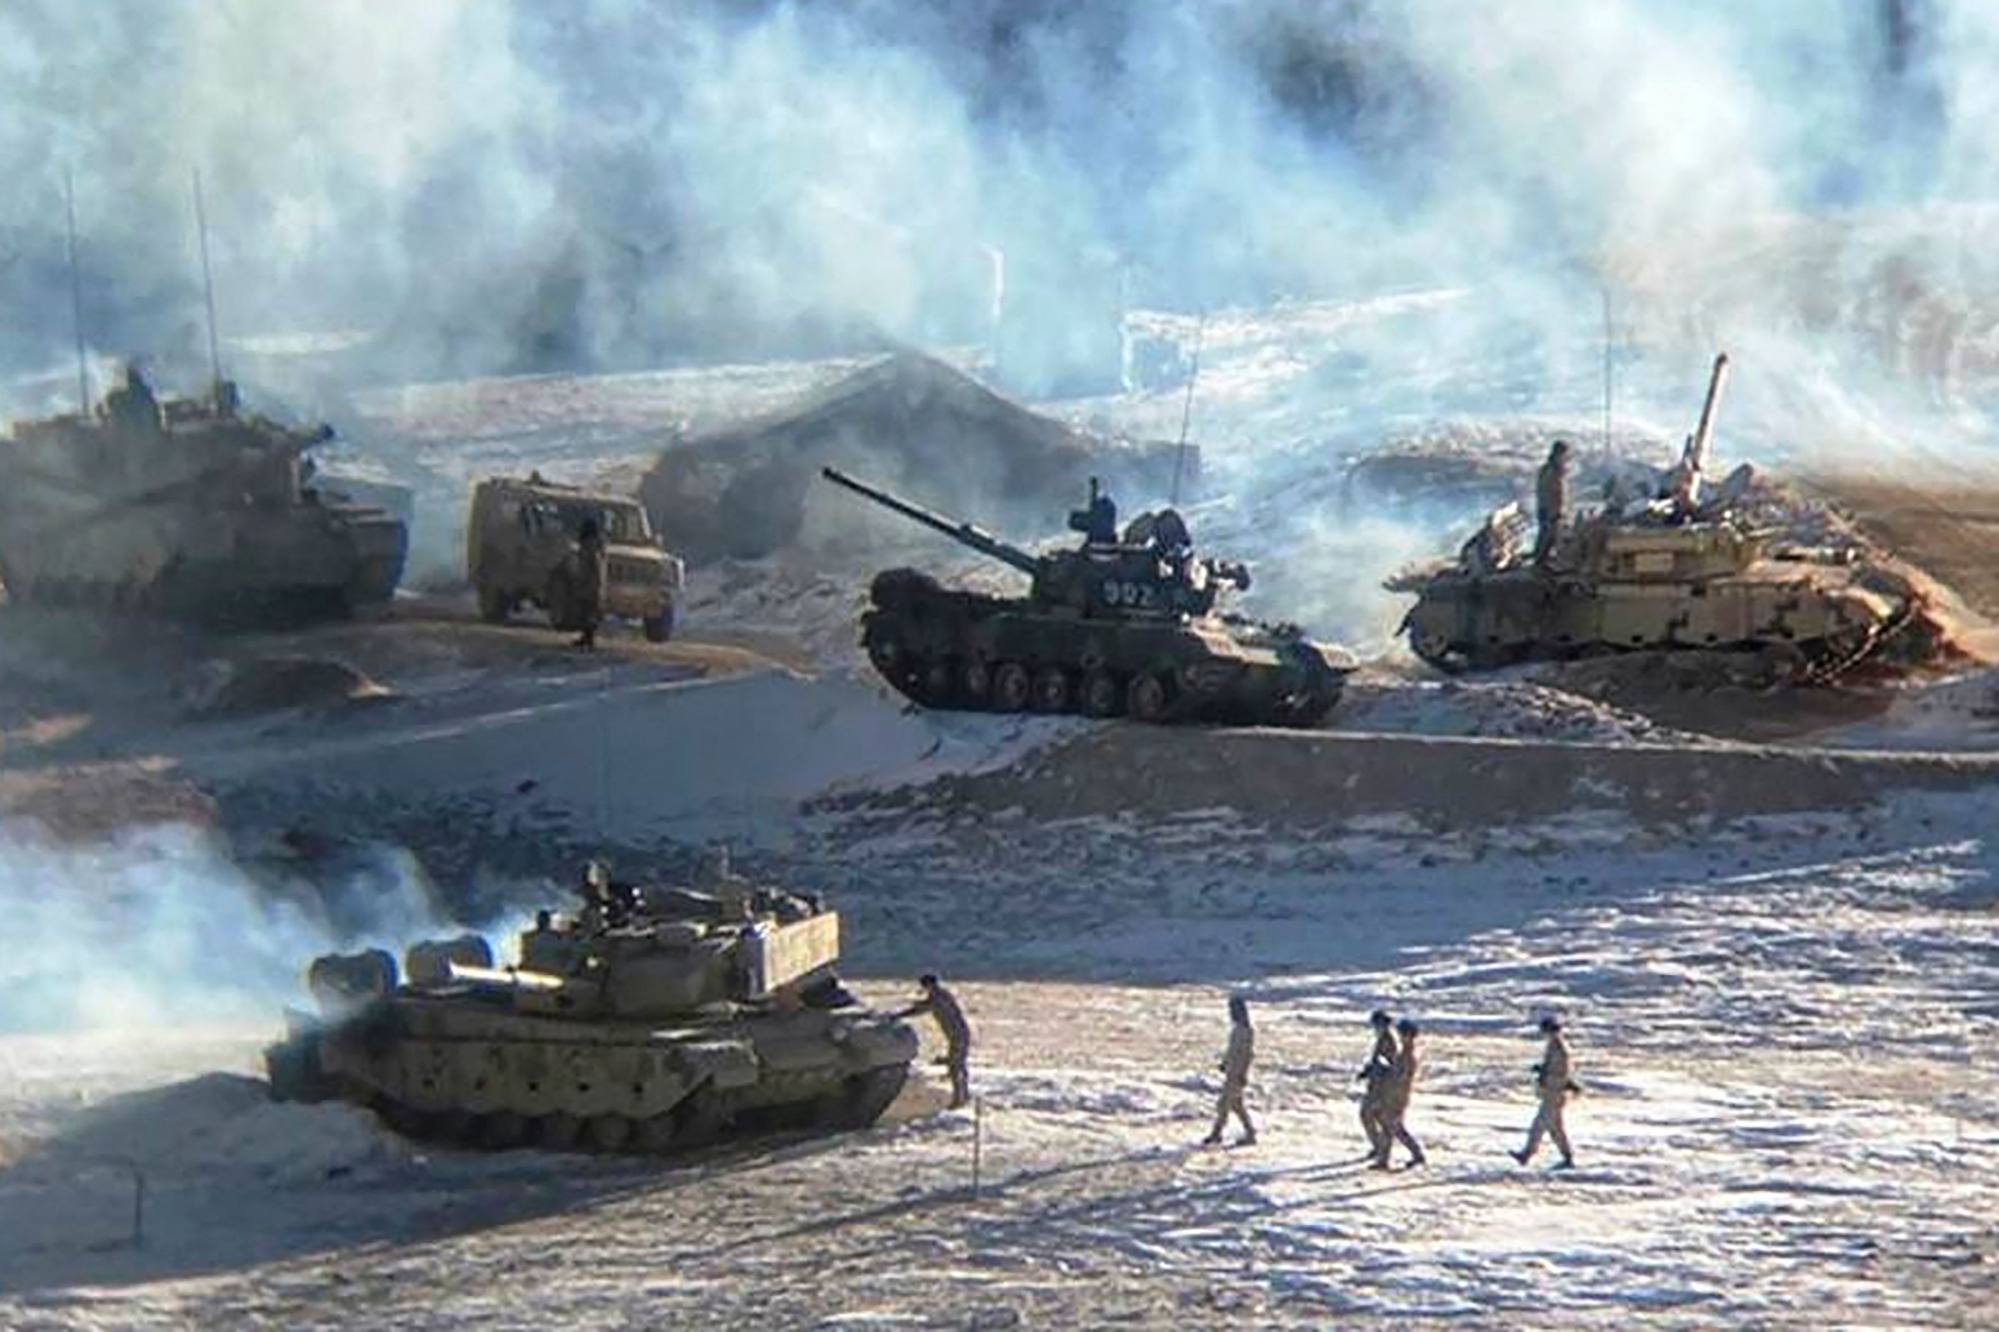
[1127,624]
[188,508]
[520,548]
[651,1020]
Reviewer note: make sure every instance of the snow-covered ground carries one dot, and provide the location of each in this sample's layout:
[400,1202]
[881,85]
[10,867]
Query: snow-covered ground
[1788,1045]
[1779,969]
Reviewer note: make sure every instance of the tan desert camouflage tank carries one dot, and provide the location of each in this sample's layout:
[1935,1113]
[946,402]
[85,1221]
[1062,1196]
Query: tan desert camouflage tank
[189,509]
[520,544]
[1664,573]
[652,1020]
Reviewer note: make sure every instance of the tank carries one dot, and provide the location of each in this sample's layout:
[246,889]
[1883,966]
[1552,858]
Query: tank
[652,1020]
[188,509]
[1687,569]
[1125,624]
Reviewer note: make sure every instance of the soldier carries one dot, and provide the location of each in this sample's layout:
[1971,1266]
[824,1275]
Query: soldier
[1375,1074]
[592,572]
[1552,1079]
[1235,1074]
[941,1004]
[134,405]
[1397,1087]
[1551,502]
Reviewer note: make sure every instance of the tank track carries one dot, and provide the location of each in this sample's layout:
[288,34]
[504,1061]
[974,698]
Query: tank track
[702,1120]
[1817,662]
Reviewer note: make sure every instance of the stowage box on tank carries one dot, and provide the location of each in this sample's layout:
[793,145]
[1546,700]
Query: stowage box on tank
[1124,624]
[188,509]
[652,1020]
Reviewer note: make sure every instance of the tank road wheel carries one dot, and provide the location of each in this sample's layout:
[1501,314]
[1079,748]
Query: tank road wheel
[558,1132]
[976,680]
[657,1135]
[1148,696]
[1013,688]
[502,1130]
[607,1133]
[940,681]
[407,1120]
[494,604]
[700,1118]
[1051,689]
[864,1096]
[1101,695]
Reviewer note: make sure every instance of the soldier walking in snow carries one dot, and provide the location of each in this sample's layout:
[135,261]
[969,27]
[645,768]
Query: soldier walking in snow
[1374,1073]
[1397,1087]
[941,1004]
[1235,1074]
[1553,1080]
[1551,502]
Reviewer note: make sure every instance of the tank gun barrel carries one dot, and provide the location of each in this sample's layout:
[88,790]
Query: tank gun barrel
[967,534]
[1697,453]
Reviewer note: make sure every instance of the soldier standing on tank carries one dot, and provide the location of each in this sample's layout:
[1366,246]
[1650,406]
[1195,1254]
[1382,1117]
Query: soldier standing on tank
[941,1004]
[1375,1074]
[1553,1080]
[1235,1074]
[1398,1086]
[1551,502]
[592,572]
[134,405]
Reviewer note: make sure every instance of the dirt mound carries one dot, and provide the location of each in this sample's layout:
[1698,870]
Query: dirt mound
[907,421]
[1947,523]
[271,684]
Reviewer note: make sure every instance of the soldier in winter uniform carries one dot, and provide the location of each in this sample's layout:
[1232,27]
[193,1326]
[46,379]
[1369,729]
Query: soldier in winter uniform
[592,573]
[1374,1073]
[1555,1084]
[1397,1087]
[1235,1074]
[1551,502]
[941,1004]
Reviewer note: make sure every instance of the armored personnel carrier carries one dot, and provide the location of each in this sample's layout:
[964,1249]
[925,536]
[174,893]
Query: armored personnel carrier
[1125,624]
[651,1020]
[1688,568]
[188,509]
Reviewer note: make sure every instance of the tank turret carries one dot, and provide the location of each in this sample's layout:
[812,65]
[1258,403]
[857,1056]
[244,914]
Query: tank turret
[188,508]
[653,1018]
[1124,623]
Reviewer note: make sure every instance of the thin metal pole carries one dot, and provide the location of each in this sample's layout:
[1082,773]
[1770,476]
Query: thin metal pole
[207,283]
[1607,373]
[76,299]
[978,1139]
[1187,406]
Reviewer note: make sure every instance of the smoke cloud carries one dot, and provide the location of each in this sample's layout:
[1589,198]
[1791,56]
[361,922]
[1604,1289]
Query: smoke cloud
[492,186]
[158,924]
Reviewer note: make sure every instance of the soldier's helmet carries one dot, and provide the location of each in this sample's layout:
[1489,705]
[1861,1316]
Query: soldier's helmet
[928,980]
[1238,1008]
[1551,1023]
[1379,1017]
[1407,1027]
[1561,449]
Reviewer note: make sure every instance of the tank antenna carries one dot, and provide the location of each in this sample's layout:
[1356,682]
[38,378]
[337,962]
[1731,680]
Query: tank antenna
[207,288]
[1187,408]
[76,298]
[1607,372]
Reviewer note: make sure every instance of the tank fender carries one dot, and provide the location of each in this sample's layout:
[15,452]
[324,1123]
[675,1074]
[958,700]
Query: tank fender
[728,1063]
